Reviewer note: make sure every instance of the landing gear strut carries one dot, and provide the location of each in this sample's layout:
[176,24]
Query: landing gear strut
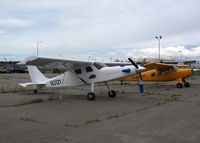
[180,83]
[111,93]
[91,95]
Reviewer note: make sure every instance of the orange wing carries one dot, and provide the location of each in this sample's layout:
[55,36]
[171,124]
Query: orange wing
[159,66]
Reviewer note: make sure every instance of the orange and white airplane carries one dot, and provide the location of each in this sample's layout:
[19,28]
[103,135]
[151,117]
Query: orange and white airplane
[161,72]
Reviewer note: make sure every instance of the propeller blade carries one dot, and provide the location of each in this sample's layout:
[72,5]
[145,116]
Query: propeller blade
[133,63]
[143,62]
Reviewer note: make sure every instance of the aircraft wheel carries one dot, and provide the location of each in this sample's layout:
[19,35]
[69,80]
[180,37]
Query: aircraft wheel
[35,91]
[91,96]
[179,85]
[186,84]
[112,94]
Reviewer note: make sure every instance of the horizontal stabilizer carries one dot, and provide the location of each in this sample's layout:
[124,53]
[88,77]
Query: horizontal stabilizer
[30,84]
[37,78]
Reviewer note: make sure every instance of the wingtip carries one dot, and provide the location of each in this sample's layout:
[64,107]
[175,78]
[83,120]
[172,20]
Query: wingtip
[24,62]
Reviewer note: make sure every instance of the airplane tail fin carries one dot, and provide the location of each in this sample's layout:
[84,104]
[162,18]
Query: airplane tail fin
[36,76]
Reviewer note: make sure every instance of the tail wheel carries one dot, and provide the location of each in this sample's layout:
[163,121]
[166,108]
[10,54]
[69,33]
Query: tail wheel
[187,84]
[112,94]
[179,85]
[91,96]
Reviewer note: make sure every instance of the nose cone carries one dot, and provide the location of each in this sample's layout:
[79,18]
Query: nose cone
[195,70]
[141,69]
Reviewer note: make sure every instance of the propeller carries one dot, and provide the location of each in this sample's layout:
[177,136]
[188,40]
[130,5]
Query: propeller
[139,72]
[133,63]
[136,66]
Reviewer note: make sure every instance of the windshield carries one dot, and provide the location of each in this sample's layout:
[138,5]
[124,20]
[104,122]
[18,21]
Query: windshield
[99,65]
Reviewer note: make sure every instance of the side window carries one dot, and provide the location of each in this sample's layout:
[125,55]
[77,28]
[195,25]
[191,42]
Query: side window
[153,74]
[78,71]
[89,69]
[92,76]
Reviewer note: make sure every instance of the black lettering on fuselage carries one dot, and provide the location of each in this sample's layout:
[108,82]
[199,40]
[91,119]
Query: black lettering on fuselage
[55,82]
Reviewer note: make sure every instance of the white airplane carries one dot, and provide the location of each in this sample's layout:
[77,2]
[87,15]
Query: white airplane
[78,72]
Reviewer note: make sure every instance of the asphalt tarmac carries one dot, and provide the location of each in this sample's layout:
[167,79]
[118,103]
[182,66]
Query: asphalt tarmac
[162,113]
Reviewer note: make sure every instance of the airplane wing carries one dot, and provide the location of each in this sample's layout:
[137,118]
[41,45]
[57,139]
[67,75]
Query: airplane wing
[159,66]
[183,66]
[110,64]
[67,63]
[42,61]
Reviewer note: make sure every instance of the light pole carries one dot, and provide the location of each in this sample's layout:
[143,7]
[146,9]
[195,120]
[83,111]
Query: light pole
[158,38]
[181,54]
[38,42]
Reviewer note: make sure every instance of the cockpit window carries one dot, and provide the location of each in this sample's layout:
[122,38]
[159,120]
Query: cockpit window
[99,65]
[78,71]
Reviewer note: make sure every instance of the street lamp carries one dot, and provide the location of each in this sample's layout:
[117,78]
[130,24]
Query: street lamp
[38,42]
[181,54]
[158,38]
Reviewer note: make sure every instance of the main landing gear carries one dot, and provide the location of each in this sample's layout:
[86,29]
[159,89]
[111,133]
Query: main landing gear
[91,95]
[181,82]
[111,93]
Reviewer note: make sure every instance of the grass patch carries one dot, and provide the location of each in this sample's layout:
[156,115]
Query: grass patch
[28,119]
[50,98]
[64,139]
[14,90]
[113,116]
[173,97]
[30,102]
[162,102]
[123,92]
[92,121]
[23,103]
[2,90]
[71,125]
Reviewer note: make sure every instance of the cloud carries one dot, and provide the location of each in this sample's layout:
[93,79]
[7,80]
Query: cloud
[171,53]
[99,28]
[16,22]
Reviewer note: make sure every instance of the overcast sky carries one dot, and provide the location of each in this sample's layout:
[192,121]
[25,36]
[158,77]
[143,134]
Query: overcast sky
[101,29]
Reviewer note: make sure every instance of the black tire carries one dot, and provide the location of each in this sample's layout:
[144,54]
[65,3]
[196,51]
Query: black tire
[35,91]
[179,85]
[187,84]
[91,96]
[112,94]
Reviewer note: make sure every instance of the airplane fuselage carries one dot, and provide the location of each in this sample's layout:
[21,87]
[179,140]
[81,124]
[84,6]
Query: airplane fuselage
[154,75]
[90,74]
